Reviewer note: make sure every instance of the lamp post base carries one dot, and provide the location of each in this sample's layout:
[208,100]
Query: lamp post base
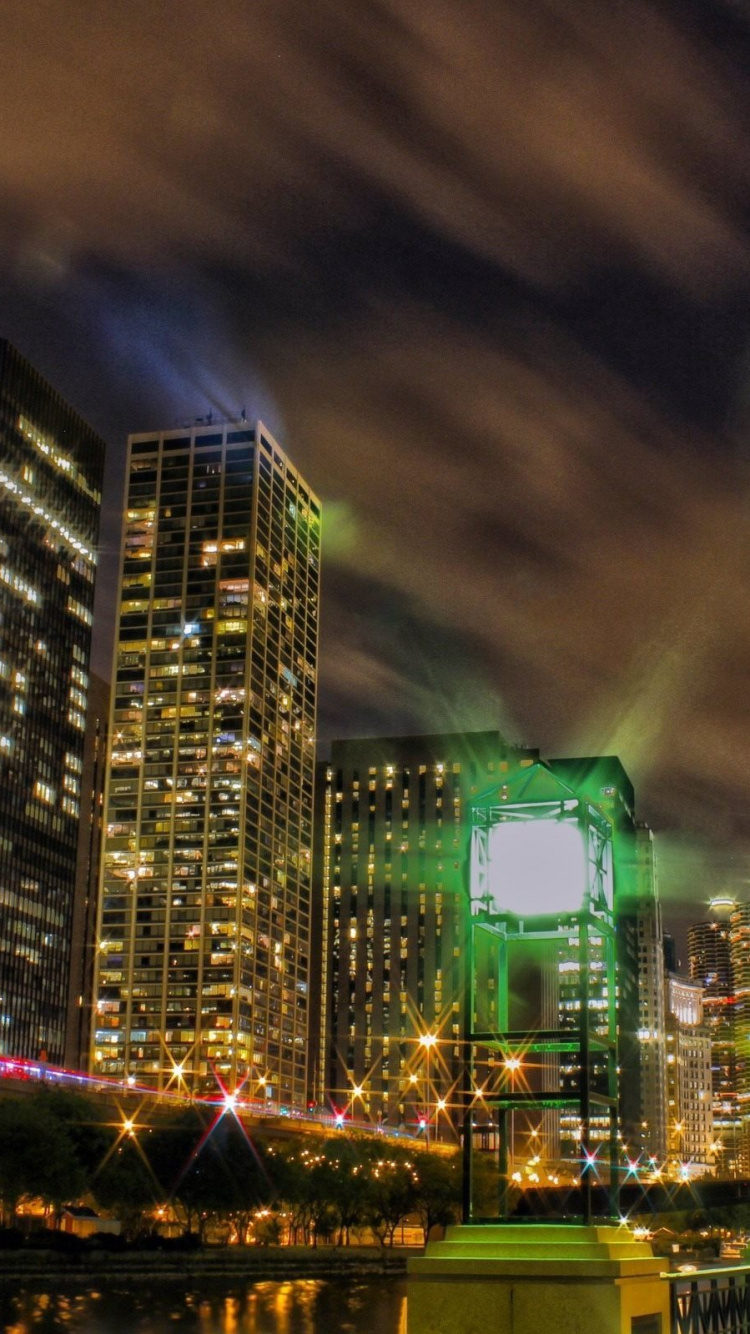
[531,1278]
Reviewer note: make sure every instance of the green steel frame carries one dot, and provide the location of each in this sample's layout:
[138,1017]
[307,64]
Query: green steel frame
[586,1042]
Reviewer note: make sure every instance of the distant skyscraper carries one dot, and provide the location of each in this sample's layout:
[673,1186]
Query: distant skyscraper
[652,999]
[739,949]
[51,466]
[204,926]
[690,1126]
[670,953]
[709,954]
[392,840]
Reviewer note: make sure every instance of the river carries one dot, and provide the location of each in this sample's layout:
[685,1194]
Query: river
[212,1306]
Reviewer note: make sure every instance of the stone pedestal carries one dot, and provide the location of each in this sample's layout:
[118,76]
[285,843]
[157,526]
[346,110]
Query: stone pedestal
[537,1278]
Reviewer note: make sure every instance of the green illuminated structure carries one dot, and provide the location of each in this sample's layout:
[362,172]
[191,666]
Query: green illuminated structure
[541,975]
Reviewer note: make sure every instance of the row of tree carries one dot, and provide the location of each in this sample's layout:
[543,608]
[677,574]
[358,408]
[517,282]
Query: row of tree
[207,1171]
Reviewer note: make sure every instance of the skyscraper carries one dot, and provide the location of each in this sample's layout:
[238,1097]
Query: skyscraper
[652,999]
[739,949]
[51,466]
[690,1123]
[392,848]
[204,921]
[90,831]
[709,954]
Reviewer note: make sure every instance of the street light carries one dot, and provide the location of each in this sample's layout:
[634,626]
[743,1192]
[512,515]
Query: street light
[513,1065]
[427,1041]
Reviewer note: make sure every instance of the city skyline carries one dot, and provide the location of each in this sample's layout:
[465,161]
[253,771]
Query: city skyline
[506,331]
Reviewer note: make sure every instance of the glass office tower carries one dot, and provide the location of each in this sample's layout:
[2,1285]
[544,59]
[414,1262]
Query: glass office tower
[51,466]
[392,839]
[204,931]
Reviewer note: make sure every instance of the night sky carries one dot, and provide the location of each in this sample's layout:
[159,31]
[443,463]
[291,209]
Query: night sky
[484,269]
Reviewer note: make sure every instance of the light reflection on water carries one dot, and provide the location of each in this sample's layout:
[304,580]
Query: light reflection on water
[298,1306]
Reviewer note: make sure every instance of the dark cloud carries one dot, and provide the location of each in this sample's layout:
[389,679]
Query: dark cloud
[484,269]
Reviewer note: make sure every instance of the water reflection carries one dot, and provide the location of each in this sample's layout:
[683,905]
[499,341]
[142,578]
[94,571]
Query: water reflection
[300,1306]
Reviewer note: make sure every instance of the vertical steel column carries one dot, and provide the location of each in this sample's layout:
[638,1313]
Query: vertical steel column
[467,1066]
[584,1056]
[612,1072]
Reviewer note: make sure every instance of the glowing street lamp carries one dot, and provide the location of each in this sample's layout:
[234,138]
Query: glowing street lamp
[427,1041]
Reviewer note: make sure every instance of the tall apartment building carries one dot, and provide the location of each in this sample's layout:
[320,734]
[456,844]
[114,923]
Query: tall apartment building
[652,1000]
[709,954]
[88,870]
[392,848]
[204,921]
[690,1127]
[739,952]
[51,466]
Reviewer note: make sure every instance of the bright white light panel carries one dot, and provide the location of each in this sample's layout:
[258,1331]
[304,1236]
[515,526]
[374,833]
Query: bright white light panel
[536,867]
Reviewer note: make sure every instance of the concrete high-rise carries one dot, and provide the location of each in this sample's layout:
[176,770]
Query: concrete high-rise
[51,465]
[652,1000]
[739,949]
[392,850]
[90,834]
[690,1125]
[603,780]
[204,921]
[709,953]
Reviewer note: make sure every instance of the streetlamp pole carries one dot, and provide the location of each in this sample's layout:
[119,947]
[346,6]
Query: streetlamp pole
[427,1041]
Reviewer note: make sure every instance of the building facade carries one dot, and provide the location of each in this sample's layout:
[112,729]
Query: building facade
[709,954]
[739,953]
[690,1126]
[88,870]
[204,920]
[392,848]
[652,1001]
[51,466]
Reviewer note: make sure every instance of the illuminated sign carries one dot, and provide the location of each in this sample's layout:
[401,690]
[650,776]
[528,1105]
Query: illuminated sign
[535,867]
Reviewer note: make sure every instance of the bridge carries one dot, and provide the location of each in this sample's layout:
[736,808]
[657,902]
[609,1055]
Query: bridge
[20,1077]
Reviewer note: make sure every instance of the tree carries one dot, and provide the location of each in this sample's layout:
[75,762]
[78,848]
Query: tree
[348,1163]
[126,1187]
[302,1187]
[84,1125]
[437,1191]
[391,1196]
[171,1151]
[208,1166]
[37,1158]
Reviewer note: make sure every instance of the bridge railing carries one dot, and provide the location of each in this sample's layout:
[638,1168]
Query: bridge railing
[710,1301]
